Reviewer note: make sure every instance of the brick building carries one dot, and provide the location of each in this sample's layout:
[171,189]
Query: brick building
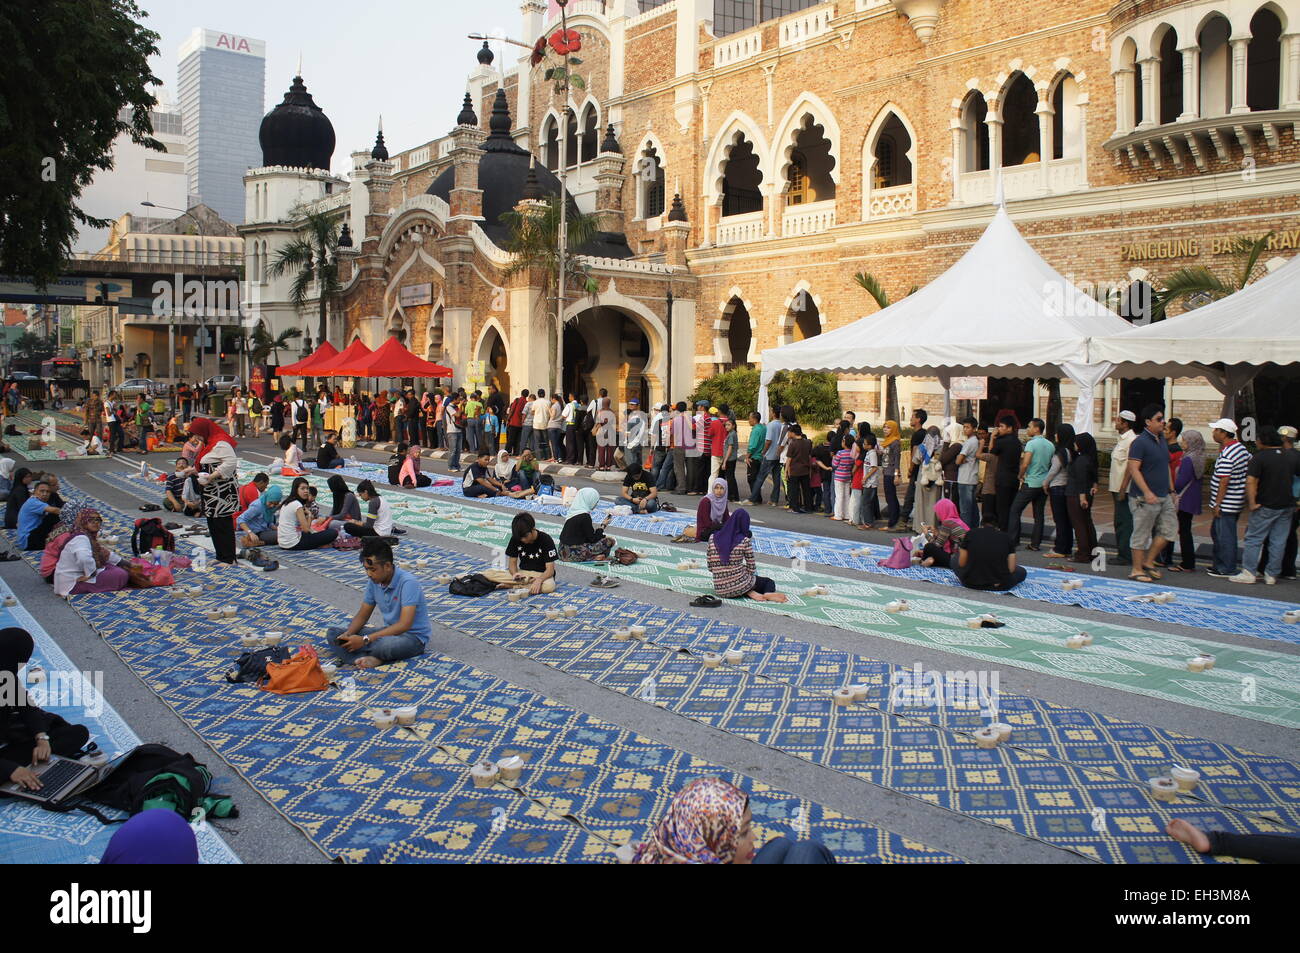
[809,142]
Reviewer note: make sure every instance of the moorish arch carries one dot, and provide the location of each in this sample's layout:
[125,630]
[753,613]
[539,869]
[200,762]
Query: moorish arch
[736,129]
[889,157]
[802,316]
[493,349]
[580,313]
[735,331]
[807,112]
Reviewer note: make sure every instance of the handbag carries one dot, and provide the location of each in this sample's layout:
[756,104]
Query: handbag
[302,673]
[901,557]
[625,557]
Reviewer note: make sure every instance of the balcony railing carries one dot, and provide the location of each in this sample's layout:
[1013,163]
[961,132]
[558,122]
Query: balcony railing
[893,202]
[797,30]
[1022,181]
[736,229]
[1203,139]
[808,219]
[156,256]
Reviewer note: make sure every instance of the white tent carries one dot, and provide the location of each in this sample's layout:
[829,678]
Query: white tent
[1227,341]
[1000,311]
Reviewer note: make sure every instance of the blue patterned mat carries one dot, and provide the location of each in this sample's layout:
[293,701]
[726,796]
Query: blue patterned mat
[32,835]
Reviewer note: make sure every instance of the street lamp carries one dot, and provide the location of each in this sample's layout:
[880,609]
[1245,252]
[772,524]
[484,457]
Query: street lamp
[171,325]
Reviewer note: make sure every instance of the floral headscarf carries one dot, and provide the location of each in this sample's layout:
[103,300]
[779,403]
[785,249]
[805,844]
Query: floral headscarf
[702,826]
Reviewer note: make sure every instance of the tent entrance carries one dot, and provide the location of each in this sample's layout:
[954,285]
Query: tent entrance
[1015,394]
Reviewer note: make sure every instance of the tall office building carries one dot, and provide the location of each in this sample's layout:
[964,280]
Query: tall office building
[222,79]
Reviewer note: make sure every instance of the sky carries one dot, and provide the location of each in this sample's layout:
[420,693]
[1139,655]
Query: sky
[403,59]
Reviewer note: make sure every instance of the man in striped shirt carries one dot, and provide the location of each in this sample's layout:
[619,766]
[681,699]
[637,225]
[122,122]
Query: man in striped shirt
[1227,497]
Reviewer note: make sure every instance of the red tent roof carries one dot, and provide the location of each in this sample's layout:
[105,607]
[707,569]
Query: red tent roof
[352,354]
[308,364]
[391,359]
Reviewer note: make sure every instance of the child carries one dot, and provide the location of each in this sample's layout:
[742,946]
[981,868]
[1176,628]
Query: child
[179,495]
[291,464]
[94,446]
[491,430]
[870,506]
[842,466]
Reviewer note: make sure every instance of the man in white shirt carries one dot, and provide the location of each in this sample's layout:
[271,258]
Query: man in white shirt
[541,420]
[635,433]
[1119,480]
[968,473]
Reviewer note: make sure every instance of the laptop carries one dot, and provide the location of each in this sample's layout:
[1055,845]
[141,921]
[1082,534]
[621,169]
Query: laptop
[63,779]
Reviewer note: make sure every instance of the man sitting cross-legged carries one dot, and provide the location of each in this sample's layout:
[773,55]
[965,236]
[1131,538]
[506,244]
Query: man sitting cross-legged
[397,593]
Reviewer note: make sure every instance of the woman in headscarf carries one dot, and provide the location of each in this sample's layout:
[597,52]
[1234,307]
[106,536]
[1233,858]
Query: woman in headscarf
[410,474]
[217,468]
[516,485]
[259,518]
[6,476]
[1187,484]
[927,494]
[1058,475]
[710,515]
[580,540]
[18,494]
[29,734]
[344,505]
[891,449]
[1080,485]
[945,539]
[84,563]
[156,836]
[731,560]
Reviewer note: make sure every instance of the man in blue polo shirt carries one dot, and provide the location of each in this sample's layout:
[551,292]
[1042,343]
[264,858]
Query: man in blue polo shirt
[1154,519]
[397,593]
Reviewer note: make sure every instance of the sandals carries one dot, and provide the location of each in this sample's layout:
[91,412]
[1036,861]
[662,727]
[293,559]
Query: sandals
[150,508]
[706,602]
[1141,577]
[680,538]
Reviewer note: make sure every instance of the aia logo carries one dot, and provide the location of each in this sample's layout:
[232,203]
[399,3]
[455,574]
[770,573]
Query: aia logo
[236,43]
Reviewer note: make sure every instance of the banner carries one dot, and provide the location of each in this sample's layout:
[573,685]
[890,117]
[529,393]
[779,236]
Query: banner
[970,388]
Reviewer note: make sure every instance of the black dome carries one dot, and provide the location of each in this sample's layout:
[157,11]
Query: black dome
[485,55]
[504,181]
[297,133]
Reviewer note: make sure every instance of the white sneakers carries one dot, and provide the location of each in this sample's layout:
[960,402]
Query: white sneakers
[1247,577]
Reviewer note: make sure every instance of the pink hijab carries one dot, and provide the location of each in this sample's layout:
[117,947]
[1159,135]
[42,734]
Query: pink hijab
[945,511]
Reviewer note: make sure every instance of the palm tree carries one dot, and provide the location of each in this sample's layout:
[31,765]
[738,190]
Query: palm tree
[1187,283]
[263,345]
[873,287]
[312,257]
[534,241]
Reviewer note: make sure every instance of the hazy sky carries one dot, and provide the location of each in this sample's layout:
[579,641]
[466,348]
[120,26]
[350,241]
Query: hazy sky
[405,59]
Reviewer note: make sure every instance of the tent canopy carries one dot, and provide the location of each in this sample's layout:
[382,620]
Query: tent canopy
[390,359]
[1257,325]
[1000,311]
[307,365]
[353,353]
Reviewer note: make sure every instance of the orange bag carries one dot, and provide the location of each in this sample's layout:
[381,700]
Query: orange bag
[302,673]
[151,443]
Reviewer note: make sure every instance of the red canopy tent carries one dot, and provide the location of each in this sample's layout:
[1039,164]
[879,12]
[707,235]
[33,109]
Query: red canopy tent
[307,366]
[390,359]
[352,354]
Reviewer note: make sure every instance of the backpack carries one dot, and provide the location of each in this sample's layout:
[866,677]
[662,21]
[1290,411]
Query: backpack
[251,666]
[155,776]
[50,556]
[150,532]
[475,584]
[300,412]
[587,421]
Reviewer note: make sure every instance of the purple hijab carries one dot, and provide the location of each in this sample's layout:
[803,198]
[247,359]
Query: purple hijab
[732,532]
[156,836]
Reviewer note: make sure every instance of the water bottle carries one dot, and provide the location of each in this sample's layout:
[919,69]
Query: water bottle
[157,555]
[144,470]
[200,561]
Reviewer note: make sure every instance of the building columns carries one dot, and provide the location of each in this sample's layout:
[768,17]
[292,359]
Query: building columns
[1239,74]
[1124,119]
[1045,114]
[1191,83]
[1150,90]
[955,160]
[1291,71]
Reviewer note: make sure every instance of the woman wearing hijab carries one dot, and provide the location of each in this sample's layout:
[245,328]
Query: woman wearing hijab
[216,468]
[29,734]
[344,505]
[6,476]
[84,563]
[18,494]
[891,450]
[927,494]
[1187,484]
[731,560]
[156,836]
[710,515]
[259,518]
[1058,475]
[1080,486]
[516,484]
[945,539]
[580,540]
[410,474]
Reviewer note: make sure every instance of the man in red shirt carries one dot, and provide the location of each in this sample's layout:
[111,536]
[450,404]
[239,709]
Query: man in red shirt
[717,441]
[515,422]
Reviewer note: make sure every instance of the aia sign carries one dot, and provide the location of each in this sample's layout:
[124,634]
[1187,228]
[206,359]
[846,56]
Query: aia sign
[237,43]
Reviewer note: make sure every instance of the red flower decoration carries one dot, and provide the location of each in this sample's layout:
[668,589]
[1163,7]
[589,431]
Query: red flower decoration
[565,43]
[539,52]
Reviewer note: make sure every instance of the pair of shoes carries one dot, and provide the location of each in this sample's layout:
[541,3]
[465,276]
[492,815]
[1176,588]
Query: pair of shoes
[706,602]
[1247,578]
[1219,575]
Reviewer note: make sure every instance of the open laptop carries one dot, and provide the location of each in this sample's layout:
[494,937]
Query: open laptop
[63,779]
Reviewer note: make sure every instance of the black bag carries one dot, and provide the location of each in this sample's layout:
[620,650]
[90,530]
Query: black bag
[546,480]
[150,532]
[475,584]
[154,773]
[301,414]
[586,421]
[251,666]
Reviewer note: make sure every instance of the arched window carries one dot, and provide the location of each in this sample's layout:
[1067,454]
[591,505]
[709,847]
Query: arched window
[741,178]
[253,270]
[739,334]
[1020,142]
[650,183]
[590,133]
[1171,78]
[893,166]
[975,134]
[806,316]
[1216,67]
[809,176]
[1067,120]
[551,145]
[1264,62]
[571,141]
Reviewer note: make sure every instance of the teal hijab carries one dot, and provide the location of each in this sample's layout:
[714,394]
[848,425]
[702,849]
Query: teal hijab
[588,499]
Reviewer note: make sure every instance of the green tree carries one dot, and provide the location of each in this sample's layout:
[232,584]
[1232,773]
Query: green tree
[70,69]
[534,241]
[312,257]
[872,286]
[815,396]
[262,345]
[28,345]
